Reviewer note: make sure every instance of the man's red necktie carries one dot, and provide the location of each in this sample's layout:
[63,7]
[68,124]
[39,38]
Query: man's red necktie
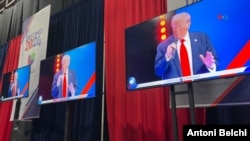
[185,66]
[64,85]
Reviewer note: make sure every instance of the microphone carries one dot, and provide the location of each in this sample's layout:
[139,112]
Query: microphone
[175,42]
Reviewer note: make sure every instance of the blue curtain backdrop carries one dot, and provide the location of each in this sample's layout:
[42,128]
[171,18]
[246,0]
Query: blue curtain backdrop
[3,52]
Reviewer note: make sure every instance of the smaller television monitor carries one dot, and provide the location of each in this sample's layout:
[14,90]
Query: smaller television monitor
[67,76]
[15,84]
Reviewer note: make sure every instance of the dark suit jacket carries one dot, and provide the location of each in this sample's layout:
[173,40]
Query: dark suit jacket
[56,91]
[200,43]
[10,90]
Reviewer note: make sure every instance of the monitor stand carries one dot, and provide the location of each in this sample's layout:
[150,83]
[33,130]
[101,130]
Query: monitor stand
[17,109]
[67,118]
[173,93]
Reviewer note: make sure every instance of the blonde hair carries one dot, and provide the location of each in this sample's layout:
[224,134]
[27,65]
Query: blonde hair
[184,16]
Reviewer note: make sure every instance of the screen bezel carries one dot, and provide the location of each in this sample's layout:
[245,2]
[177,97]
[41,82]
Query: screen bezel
[24,74]
[137,80]
[87,52]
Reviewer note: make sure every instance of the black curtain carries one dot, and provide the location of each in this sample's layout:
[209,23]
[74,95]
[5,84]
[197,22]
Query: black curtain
[78,25]
[16,21]
[11,19]
[5,19]
[30,7]
[233,114]
[57,5]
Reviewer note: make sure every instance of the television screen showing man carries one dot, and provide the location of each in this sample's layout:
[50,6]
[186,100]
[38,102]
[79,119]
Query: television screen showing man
[184,53]
[14,87]
[15,84]
[68,76]
[65,82]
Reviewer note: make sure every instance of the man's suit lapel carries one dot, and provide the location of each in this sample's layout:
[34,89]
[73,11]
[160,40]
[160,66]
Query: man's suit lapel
[177,64]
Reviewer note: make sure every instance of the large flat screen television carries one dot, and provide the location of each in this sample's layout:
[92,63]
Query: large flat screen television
[225,22]
[15,84]
[70,75]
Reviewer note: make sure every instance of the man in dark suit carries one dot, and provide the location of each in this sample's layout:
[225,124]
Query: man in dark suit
[201,53]
[14,87]
[64,82]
